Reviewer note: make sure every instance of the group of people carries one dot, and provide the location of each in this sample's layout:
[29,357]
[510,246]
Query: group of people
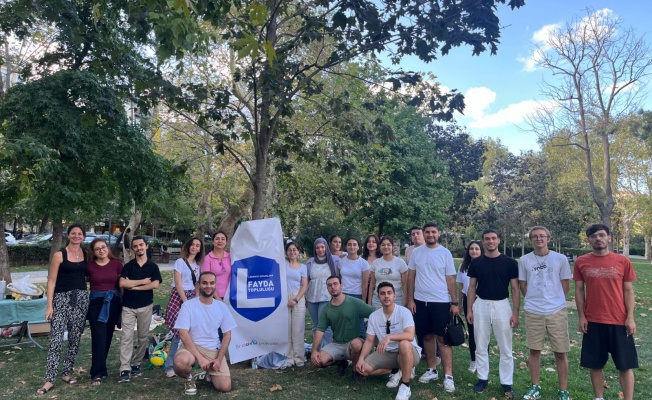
[401,302]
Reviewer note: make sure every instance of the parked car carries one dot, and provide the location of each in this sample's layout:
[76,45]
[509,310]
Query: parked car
[36,238]
[9,238]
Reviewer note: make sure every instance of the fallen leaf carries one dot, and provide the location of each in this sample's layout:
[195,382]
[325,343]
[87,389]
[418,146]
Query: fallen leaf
[621,395]
[643,315]
[20,348]
[550,369]
[605,385]
[275,388]
[522,365]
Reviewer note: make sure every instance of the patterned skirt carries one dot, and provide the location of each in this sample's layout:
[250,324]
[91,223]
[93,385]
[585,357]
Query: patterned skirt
[174,305]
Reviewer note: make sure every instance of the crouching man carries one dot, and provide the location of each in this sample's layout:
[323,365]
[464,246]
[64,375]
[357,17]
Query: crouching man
[393,326]
[198,323]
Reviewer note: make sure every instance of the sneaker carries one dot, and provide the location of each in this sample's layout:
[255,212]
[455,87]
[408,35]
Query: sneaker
[449,385]
[472,367]
[430,375]
[190,388]
[563,395]
[135,371]
[480,386]
[170,373]
[202,376]
[509,392]
[413,373]
[125,376]
[341,368]
[404,393]
[394,379]
[533,393]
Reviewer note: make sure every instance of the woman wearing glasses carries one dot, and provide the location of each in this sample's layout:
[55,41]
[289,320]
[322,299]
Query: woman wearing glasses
[186,273]
[218,262]
[105,306]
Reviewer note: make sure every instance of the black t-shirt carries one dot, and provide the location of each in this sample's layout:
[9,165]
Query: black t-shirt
[493,275]
[134,272]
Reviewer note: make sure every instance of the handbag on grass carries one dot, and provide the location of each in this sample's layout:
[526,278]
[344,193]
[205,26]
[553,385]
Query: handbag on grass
[454,331]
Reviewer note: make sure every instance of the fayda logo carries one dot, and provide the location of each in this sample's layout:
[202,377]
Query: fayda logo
[255,290]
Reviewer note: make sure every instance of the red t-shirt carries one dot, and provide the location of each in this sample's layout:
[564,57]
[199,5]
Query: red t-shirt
[603,277]
[104,277]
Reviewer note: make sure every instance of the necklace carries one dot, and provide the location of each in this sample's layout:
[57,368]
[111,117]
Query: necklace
[76,255]
[543,263]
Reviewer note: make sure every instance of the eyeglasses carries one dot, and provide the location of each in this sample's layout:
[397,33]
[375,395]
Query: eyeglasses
[539,237]
[387,325]
[100,248]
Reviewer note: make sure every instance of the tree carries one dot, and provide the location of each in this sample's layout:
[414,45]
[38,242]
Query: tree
[284,46]
[600,68]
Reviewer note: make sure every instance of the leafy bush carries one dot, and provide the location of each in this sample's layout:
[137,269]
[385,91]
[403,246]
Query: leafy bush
[23,255]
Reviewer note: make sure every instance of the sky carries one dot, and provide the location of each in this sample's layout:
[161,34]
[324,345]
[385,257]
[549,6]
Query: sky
[501,90]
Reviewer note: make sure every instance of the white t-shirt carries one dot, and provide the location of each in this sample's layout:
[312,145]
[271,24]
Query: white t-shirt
[400,319]
[202,321]
[293,277]
[543,274]
[464,279]
[351,271]
[432,265]
[186,278]
[388,271]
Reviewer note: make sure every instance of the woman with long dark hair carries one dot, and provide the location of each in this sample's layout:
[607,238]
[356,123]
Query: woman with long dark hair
[370,252]
[335,244]
[105,305]
[388,268]
[473,250]
[186,274]
[322,265]
[297,284]
[67,306]
[218,261]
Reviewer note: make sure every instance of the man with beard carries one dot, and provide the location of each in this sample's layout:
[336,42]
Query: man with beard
[198,323]
[491,277]
[604,295]
[393,326]
[432,297]
[343,314]
[139,278]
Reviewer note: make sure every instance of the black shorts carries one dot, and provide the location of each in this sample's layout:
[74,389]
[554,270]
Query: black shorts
[431,318]
[602,339]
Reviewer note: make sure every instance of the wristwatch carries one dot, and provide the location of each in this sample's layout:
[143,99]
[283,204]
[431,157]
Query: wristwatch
[454,303]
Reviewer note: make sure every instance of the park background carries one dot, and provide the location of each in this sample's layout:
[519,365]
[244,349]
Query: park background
[177,119]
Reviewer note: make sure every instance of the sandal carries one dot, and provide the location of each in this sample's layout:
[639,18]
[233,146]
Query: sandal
[97,381]
[43,390]
[71,379]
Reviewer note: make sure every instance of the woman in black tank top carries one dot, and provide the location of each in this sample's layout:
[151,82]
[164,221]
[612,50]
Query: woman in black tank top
[67,306]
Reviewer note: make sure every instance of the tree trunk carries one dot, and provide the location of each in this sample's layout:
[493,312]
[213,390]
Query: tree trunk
[5,273]
[202,214]
[648,247]
[44,224]
[130,231]
[235,211]
[626,234]
[57,236]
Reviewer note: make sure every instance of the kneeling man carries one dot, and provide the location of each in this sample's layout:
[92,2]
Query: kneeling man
[393,326]
[343,314]
[198,323]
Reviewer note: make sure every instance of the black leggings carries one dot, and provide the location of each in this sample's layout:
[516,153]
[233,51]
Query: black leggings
[470,328]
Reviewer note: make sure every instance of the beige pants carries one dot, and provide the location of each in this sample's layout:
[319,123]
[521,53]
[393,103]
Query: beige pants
[132,318]
[296,329]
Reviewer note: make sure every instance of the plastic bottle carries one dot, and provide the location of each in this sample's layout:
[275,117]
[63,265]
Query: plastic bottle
[254,363]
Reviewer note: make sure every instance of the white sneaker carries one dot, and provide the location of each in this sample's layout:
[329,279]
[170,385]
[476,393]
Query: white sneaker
[472,366]
[170,373]
[413,372]
[394,379]
[404,393]
[449,385]
[430,375]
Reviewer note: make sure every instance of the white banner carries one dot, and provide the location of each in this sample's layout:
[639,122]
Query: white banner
[257,294]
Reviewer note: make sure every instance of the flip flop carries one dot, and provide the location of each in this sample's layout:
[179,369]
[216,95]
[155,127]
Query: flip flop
[71,380]
[97,381]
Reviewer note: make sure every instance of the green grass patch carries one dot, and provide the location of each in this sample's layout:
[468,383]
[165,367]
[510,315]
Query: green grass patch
[23,369]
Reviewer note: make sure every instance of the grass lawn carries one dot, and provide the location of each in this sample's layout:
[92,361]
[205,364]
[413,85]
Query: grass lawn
[23,369]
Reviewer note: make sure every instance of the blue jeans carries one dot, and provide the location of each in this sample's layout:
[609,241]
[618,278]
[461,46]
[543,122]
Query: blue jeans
[315,310]
[174,346]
